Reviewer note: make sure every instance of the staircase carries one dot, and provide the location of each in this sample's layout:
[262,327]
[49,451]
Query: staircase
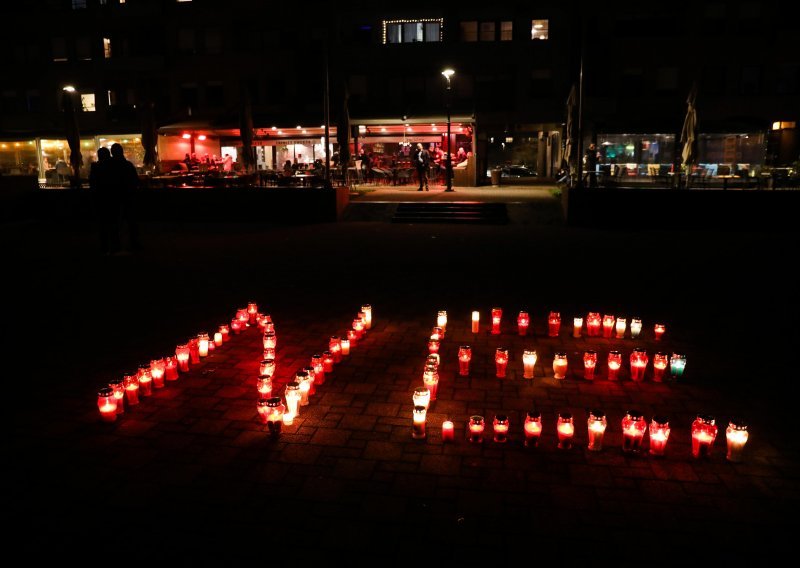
[452,213]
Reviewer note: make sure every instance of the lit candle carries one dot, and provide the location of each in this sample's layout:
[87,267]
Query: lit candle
[131,383]
[218,339]
[264,386]
[659,330]
[677,364]
[636,327]
[344,344]
[577,325]
[589,364]
[266,367]
[529,358]
[593,324]
[275,415]
[107,404]
[292,396]
[352,337]
[270,340]
[202,345]
[433,359]
[633,429]
[236,326]
[263,411]
[268,326]
[358,327]
[448,431]
[553,324]
[621,324]
[327,361]
[312,376]
[501,425]
[145,381]
[533,428]
[335,347]
[560,365]
[171,368]
[659,366]
[418,425]
[252,312]
[367,309]
[597,429]
[476,321]
[497,316]
[118,386]
[608,325]
[614,364]
[319,369]
[704,432]
[433,345]
[737,435]
[437,333]
[304,380]
[441,320]
[157,370]
[262,321]
[475,429]
[659,434]
[268,354]
[639,361]
[225,331]
[211,345]
[565,430]
[464,357]
[421,397]
[182,354]
[430,378]
[523,321]
[242,316]
[501,362]
[194,351]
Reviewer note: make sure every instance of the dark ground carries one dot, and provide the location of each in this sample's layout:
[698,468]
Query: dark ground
[191,471]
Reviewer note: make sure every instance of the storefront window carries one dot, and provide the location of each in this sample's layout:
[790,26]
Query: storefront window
[131,145]
[412,31]
[637,154]
[730,154]
[18,157]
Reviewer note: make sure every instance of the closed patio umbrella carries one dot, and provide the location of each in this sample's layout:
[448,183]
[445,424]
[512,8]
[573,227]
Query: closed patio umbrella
[73,136]
[569,135]
[689,134]
[343,135]
[150,137]
[246,132]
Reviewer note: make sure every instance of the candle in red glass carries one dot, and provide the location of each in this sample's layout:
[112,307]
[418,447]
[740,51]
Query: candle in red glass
[560,365]
[577,325]
[430,378]
[620,327]
[218,339]
[268,326]
[433,359]
[171,368]
[553,324]
[270,340]
[292,403]
[334,346]
[704,432]
[608,325]
[441,321]
[497,316]
[118,386]
[268,354]
[211,345]
[589,364]
[597,429]
[263,410]
[264,386]
[633,429]
[304,380]
[614,364]
[523,321]
[639,361]
[107,404]
[202,345]
[533,428]
[225,331]
[448,431]
[252,312]
[194,351]
[659,434]
[242,316]
[312,377]
[464,357]
[659,330]
[501,425]
[236,326]
[352,336]
[131,383]
[593,324]
[358,327]
[566,430]
[145,381]
[636,327]
[344,343]
[475,429]
[437,334]
[433,345]
[736,435]
[660,361]
[418,424]
[476,321]
[501,362]
[529,358]
[157,370]
[421,397]
[367,309]
[319,368]
[327,361]
[275,412]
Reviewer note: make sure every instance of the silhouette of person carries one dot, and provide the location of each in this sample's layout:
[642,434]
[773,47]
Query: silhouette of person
[422,161]
[105,202]
[125,180]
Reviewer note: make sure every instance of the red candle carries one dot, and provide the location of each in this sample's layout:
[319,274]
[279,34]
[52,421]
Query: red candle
[597,430]
[430,378]
[268,326]
[263,410]
[131,389]
[145,381]
[475,429]
[659,330]
[497,316]
[704,432]
[345,346]
[218,339]
[437,333]
[236,326]
[608,325]
[501,362]
[334,346]
[225,332]
[264,386]
[433,345]
[441,321]
[270,340]
[242,316]
[194,352]
[639,361]
[252,312]
[118,386]
[566,430]
[523,321]
[433,359]
[211,345]
[633,429]
[448,431]
[358,327]
[327,361]
[464,357]
[614,364]
[659,434]
[593,324]
[312,377]
[367,309]
[202,345]
[589,364]
[182,355]
[268,354]
[476,321]
[553,324]
[171,368]
[157,369]
[352,337]
[660,361]
[275,414]
[418,425]
[501,425]
[107,404]
[319,368]
[533,428]
[560,365]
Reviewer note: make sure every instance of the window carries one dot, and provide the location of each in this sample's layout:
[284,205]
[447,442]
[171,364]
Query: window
[107,47]
[189,96]
[506,31]
[83,49]
[59,46]
[186,41]
[487,31]
[469,31]
[78,4]
[412,31]
[539,29]
[87,102]
[215,94]
[213,42]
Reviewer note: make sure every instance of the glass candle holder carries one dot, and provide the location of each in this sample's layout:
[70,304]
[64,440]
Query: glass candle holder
[529,358]
[420,415]
[107,404]
[268,326]
[437,333]
[589,364]
[497,316]
[131,383]
[475,428]
[236,326]
[268,354]
[202,344]
[363,317]
[275,412]
[264,386]
[553,324]
[501,362]
[421,397]
[263,411]
[157,370]
[633,429]
[145,381]
[448,431]
[523,321]
[211,346]
[242,316]
[430,378]
[501,426]
[597,429]
[577,326]
[292,395]
[358,327]
[327,361]
[319,369]
[352,337]
[441,320]
[736,434]
[171,368]
[636,327]
[267,367]
[302,378]
[608,326]
[464,358]
[639,361]
[194,351]
[620,327]
[335,347]
[118,386]
[659,434]
[433,345]
[533,428]
[659,366]
[560,365]
[225,332]
[312,376]
[476,321]
[677,365]
[593,323]
[367,309]
[614,364]
[270,340]
[344,343]
[252,311]
[566,430]
[217,339]
[182,354]
[658,331]
[704,432]
[433,359]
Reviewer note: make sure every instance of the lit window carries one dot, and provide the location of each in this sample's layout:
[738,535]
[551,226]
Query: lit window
[539,29]
[412,31]
[107,47]
[87,102]
[469,31]
[487,31]
[506,31]
[112,97]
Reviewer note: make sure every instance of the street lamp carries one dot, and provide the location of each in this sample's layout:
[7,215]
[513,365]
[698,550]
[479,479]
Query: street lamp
[449,171]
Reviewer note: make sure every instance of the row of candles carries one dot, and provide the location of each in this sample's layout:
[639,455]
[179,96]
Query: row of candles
[112,399]
[271,409]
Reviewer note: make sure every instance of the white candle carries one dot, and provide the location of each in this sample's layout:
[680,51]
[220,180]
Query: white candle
[577,325]
[476,319]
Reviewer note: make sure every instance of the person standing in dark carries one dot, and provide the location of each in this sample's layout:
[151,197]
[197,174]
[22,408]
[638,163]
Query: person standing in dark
[125,181]
[591,164]
[105,202]
[422,161]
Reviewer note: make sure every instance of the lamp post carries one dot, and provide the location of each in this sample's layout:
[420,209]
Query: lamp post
[449,168]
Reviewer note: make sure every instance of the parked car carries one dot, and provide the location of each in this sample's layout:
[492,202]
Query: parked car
[516,172]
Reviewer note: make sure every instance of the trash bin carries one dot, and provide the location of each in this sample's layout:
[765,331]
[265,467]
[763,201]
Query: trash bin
[495,177]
